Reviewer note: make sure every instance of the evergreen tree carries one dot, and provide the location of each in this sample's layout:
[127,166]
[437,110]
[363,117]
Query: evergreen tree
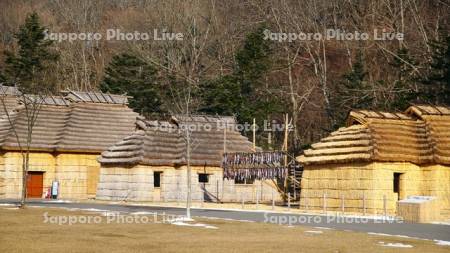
[127,74]
[353,92]
[243,91]
[31,68]
[355,88]
[437,82]
[403,93]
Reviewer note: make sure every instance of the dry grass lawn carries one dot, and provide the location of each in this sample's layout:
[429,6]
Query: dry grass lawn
[25,231]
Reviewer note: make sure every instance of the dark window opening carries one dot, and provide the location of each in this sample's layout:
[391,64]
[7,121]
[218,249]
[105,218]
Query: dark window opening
[203,178]
[157,179]
[397,182]
[244,180]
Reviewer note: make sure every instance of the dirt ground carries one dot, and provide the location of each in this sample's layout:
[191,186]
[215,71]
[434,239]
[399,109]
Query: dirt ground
[26,231]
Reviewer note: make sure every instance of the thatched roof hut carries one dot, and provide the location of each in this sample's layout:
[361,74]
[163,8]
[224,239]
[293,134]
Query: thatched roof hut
[150,164]
[70,131]
[378,159]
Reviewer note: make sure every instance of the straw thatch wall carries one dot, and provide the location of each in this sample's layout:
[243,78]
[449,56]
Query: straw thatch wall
[371,181]
[437,183]
[122,183]
[70,170]
[12,166]
[77,175]
[2,177]
[136,184]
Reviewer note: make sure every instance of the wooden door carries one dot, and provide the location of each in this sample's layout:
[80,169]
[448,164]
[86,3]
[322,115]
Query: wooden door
[35,184]
[92,180]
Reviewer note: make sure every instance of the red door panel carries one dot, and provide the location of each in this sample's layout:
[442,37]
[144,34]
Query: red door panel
[35,184]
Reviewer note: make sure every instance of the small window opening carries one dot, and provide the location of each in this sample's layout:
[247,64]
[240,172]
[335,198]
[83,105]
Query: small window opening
[203,178]
[157,179]
[397,182]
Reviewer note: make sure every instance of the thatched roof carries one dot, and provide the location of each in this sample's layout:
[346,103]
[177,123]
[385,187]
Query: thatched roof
[68,125]
[164,143]
[95,97]
[421,135]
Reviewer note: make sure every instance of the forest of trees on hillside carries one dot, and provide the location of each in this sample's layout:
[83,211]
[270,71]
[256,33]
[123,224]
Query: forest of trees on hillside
[226,65]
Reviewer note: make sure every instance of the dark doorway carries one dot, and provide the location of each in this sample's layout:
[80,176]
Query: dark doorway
[35,184]
[157,179]
[397,183]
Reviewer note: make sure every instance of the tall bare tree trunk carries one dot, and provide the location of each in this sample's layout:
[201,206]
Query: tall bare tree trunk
[188,162]
[25,161]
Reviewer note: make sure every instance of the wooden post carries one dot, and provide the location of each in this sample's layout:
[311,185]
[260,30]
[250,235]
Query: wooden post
[225,138]
[273,201]
[202,198]
[295,192]
[178,193]
[324,203]
[299,202]
[385,205]
[343,203]
[306,202]
[285,147]
[217,189]
[261,191]
[285,140]
[254,134]
[269,140]
[289,201]
[243,201]
[364,203]
[257,200]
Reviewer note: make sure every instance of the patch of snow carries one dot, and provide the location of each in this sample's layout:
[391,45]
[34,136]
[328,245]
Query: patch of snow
[69,209]
[5,204]
[94,210]
[401,236]
[372,233]
[180,223]
[212,218]
[442,243]
[314,231]
[245,221]
[395,245]
[143,213]
[12,208]
[441,222]
[181,219]
[86,209]
[417,199]
[110,214]
[59,201]
[325,228]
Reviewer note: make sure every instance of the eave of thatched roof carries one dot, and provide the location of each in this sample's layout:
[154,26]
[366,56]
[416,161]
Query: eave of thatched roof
[421,135]
[163,143]
[66,126]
